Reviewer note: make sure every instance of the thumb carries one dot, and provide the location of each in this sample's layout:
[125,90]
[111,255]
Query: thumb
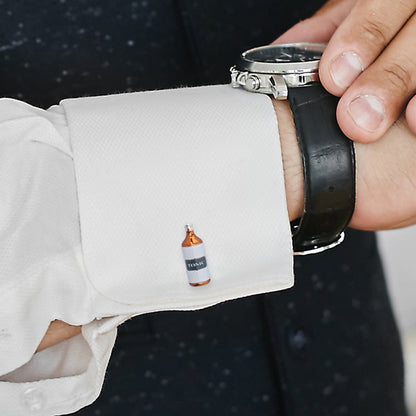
[321,26]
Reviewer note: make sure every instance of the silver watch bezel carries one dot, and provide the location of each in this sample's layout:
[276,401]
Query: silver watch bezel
[280,68]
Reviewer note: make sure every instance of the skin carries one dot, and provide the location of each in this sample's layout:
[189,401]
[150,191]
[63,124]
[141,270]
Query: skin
[381,34]
[386,188]
[57,332]
[385,170]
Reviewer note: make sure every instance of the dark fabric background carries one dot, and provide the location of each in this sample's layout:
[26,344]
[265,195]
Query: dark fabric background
[52,49]
[327,347]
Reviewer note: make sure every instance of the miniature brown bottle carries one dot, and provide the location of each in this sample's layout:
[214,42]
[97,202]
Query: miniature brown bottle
[195,261]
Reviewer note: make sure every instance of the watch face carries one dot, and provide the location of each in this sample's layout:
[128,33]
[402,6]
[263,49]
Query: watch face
[284,54]
[285,58]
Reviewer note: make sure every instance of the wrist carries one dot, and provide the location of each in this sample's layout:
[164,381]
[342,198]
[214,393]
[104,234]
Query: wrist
[57,332]
[292,161]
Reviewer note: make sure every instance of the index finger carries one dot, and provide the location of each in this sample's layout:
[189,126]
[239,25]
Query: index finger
[360,39]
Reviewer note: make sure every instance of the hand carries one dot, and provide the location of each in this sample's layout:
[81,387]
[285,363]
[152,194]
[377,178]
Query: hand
[386,175]
[370,61]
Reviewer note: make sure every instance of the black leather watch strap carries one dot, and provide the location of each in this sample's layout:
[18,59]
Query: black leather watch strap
[328,168]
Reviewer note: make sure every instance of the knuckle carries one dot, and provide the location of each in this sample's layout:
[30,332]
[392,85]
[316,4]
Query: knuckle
[374,32]
[398,76]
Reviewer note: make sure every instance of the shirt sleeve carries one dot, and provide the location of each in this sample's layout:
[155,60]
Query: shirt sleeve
[97,192]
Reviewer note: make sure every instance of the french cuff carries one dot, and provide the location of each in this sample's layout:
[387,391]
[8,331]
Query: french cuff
[148,163]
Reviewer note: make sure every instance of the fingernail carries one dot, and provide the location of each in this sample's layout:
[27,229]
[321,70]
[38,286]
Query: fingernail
[345,68]
[367,111]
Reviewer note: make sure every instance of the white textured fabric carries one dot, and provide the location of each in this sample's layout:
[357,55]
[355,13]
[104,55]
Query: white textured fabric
[96,245]
[212,161]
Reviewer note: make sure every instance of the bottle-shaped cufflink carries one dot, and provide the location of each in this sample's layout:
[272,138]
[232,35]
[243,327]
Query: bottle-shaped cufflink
[195,261]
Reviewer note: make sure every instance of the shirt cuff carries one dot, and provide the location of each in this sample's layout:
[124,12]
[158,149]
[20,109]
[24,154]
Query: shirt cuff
[148,163]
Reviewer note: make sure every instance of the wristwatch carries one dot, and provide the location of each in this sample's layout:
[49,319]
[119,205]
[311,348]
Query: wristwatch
[290,71]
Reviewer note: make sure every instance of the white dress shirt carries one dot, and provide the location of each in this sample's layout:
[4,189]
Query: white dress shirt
[95,196]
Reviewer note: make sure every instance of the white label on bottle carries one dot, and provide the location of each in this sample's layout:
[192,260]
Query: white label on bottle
[196,263]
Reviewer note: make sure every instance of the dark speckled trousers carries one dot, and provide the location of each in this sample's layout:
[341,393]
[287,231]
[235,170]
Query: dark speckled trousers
[327,347]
